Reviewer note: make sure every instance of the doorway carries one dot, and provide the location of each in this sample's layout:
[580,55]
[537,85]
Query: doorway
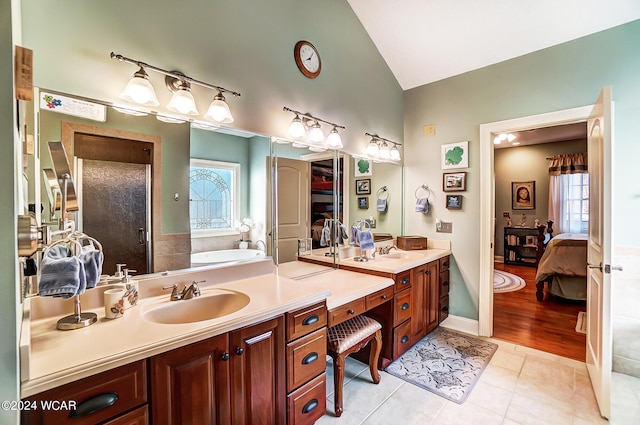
[114,194]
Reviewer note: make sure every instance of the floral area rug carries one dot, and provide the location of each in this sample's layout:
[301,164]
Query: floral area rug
[445,362]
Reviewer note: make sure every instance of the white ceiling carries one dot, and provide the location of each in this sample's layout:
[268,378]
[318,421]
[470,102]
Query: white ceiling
[424,41]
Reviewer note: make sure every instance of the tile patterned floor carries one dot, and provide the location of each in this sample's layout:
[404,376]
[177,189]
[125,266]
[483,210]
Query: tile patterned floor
[521,386]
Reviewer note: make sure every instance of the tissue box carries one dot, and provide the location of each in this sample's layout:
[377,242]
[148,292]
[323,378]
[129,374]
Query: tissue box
[409,243]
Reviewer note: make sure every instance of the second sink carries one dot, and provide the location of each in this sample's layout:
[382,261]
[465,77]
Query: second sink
[205,307]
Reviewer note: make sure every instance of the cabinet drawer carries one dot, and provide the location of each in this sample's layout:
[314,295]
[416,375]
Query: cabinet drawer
[140,416]
[444,263]
[128,383]
[305,320]
[403,281]
[444,308]
[402,307]
[347,311]
[379,297]
[401,339]
[306,358]
[308,403]
[443,279]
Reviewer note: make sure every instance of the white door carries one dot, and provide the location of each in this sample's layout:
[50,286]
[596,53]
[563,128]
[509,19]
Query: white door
[599,346]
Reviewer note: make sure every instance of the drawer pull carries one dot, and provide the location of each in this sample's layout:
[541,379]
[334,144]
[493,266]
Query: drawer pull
[94,404]
[404,339]
[225,356]
[404,306]
[445,264]
[310,358]
[428,272]
[239,351]
[405,280]
[310,320]
[351,311]
[445,283]
[310,406]
[445,309]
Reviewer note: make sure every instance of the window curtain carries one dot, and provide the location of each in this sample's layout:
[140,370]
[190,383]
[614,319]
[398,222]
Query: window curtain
[560,210]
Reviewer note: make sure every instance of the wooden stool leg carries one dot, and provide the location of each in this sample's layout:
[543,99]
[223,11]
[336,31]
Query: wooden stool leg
[376,346]
[338,382]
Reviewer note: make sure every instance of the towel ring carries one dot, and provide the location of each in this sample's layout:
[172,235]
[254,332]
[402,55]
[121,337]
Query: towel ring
[363,225]
[384,191]
[76,254]
[425,187]
[76,236]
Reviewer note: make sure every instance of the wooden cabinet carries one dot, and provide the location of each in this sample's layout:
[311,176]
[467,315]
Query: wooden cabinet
[443,289]
[107,396]
[424,314]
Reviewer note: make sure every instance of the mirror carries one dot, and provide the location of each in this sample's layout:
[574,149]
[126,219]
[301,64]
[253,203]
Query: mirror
[132,176]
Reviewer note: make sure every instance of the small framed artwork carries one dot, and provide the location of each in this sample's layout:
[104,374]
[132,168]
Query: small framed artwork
[363,187]
[454,202]
[531,240]
[455,155]
[523,195]
[363,202]
[363,167]
[454,182]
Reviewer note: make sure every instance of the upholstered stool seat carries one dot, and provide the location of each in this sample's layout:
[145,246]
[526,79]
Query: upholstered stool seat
[346,338]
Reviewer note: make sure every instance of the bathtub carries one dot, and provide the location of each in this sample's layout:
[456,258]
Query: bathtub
[225,256]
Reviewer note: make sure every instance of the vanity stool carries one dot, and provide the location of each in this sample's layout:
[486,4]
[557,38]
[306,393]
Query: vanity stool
[346,338]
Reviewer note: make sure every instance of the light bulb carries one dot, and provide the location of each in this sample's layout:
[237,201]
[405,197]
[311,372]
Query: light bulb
[334,140]
[183,102]
[296,129]
[139,90]
[384,151]
[316,135]
[394,153]
[372,148]
[219,110]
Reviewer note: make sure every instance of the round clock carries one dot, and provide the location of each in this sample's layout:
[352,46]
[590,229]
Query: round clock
[307,59]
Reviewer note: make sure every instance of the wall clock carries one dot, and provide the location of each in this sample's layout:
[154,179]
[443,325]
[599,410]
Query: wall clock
[307,59]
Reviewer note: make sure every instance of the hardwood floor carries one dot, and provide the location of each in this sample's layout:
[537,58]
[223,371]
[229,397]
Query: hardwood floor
[548,325]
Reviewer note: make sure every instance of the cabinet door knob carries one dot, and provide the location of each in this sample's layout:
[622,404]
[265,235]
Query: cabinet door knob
[225,356]
[405,306]
[384,297]
[405,280]
[239,351]
[445,283]
[351,311]
[428,272]
[404,339]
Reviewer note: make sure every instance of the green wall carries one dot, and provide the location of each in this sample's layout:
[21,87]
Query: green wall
[565,76]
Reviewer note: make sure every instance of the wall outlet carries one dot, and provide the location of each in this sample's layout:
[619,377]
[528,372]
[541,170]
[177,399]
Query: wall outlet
[445,227]
[505,214]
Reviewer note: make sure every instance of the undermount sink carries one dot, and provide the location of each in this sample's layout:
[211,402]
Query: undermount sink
[205,307]
[403,255]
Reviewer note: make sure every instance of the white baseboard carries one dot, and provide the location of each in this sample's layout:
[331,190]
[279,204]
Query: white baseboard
[461,324]
[498,258]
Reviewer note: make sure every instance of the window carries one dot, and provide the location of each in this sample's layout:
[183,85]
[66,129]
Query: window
[213,197]
[575,197]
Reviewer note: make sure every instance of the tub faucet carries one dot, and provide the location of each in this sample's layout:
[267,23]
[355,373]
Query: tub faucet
[263,245]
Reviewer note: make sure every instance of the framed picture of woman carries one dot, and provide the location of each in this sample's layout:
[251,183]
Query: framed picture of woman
[523,195]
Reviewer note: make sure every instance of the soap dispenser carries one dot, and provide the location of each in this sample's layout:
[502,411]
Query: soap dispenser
[131,289]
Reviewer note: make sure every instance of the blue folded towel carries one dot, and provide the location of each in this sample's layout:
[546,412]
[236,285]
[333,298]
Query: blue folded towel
[366,240]
[381,205]
[343,232]
[422,205]
[355,236]
[61,276]
[91,260]
[325,236]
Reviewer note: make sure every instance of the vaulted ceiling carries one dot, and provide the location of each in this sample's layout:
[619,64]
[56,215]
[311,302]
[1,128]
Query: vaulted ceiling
[424,41]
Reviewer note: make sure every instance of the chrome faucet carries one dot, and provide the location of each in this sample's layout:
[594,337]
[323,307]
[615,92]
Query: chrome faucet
[386,249]
[188,292]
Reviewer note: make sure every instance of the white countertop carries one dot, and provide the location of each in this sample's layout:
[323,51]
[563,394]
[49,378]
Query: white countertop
[59,357]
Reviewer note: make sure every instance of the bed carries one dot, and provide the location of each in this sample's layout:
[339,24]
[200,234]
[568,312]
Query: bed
[563,266]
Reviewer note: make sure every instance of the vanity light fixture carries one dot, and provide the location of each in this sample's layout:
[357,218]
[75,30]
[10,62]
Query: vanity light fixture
[170,119]
[378,148]
[316,140]
[505,137]
[139,90]
[130,111]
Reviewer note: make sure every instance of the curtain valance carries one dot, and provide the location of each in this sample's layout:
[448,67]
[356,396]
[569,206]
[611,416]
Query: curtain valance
[574,163]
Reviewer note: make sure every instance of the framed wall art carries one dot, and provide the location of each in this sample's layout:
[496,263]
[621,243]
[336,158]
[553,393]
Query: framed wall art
[454,182]
[523,195]
[362,167]
[454,202]
[363,202]
[455,155]
[363,187]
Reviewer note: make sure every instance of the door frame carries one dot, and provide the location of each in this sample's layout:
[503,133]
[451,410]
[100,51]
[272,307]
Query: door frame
[487,197]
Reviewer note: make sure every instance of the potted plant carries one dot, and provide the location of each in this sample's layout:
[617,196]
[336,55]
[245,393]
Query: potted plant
[245,226]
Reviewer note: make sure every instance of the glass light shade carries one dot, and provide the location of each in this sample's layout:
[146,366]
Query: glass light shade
[394,153]
[384,151]
[372,148]
[316,135]
[139,90]
[183,102]
[334,140]
[497,141]
[296,129]
[219,110]
[511,137]
[502,136]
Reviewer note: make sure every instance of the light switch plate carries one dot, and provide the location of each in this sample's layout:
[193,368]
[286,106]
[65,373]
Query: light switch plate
[429,130]
[445,227]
